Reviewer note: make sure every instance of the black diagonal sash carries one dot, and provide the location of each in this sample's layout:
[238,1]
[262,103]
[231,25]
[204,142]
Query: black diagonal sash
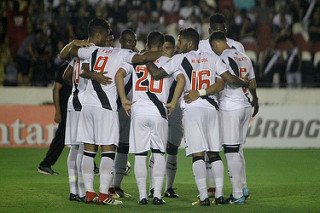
[154,98]
[104,100]
[75,100]
[171,92]
[188,69]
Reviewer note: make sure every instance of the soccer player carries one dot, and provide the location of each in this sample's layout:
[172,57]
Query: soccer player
[99,122]
[200,118]
[149,124]
[235,109]
[174,136]
[218,23]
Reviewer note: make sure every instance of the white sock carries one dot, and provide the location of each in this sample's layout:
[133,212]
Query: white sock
[140,171]
[218,174]
[210,177]
[234,166]
[106,171]
[199,172]
[243,168]
[158,173]
[81,190]
[171,170]
[72,169]
[151,165]
[87,171]
[120,163]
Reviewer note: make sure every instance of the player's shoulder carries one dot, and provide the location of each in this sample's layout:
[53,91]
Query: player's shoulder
[235,44]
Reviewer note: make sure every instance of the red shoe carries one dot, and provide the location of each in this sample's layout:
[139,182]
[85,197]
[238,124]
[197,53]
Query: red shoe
[91,197]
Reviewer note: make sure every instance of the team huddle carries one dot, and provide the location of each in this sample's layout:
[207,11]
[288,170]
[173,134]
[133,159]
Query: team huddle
[128,102]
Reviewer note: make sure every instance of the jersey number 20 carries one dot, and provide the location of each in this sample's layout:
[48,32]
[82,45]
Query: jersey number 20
[154,86]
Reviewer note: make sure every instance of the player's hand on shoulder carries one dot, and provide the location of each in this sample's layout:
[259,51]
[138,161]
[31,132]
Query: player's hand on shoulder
[102,79]
[255,105]
[126,104]
[191,95]
[171,106]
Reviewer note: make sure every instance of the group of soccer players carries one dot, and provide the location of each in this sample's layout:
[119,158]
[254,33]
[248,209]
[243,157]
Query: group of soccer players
[202,89]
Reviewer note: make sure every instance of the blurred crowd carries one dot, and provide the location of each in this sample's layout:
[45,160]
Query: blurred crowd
[282,37]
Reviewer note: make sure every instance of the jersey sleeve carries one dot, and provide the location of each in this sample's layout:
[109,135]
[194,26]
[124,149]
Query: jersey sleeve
[220,67]
[85,52]
[172,65]
[127,55]
[251,71]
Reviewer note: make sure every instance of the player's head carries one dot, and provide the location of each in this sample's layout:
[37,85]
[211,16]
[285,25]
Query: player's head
[110,39]
[98,30]
[169,45]
[188,40]
[217,23]
[218,42]
[128,40]
[155,40]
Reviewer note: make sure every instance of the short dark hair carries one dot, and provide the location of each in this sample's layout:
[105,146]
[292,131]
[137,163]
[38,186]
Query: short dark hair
[155,39]
[97,24]
[216,36]
[191,35]
[127,32]
[217,22]
[170,39]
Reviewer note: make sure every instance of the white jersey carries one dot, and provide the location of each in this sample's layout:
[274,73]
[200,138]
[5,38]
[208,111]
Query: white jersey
[106,60]
[232,98]
[79,85]
[200,70]
[149,95]
[205,46]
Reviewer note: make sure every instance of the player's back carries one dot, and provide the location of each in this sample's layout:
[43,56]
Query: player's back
[105,60]
[239,64]
[205,46]
[148,94]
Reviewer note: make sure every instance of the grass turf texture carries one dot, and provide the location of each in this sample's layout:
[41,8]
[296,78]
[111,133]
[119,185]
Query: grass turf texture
[279,181]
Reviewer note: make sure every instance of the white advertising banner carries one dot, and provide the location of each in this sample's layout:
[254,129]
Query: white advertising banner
[285,126]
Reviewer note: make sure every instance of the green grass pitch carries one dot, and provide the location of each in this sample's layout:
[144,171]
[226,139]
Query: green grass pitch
[284,180]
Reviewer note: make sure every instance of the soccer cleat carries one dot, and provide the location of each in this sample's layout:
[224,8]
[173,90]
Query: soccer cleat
[158,201]
[120,192]
[151,193]
[245,192]
[113,193]
[46,170]
[73,197]
[143,201]
[205,202]
[91,197]
[219,201]
[107,199]
[238,201]
[82,199]
[211,192]
[171,193]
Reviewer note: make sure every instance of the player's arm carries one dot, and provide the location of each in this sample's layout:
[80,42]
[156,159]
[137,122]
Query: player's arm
[97,76]
[67,74]
[254,103]
[234,80]
[65,52]
[192,95]
[56,101]
[181,81]
[126,104]
[142,58]
[155,72]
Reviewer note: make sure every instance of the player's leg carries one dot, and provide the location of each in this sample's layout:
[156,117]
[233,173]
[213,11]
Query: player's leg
[72,172]
[231,142]
[151,185]
[210,178]
[81,189]
[140,171]
[174,140]
[217,171]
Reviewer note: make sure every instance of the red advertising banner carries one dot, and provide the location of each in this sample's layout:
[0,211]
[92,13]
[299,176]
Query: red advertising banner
[26,126]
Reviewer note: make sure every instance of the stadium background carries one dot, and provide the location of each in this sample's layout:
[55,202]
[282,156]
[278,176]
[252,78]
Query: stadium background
[289,115]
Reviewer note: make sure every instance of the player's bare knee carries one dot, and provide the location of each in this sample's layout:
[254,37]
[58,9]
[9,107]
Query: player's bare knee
[90,147]
[213,157]
[231,148]
[108,148]
[197,156]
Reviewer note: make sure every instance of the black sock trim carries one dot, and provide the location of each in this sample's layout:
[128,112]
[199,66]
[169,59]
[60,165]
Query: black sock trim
[156,151]
[231,148]
[214,158]
[196,158]
[89,154]
[172,151]
[108,155]
[123,148]
[141,154]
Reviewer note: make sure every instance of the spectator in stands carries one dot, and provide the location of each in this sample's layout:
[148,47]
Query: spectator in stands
[314,28]
[282,22]
[293,65]
[188,9]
